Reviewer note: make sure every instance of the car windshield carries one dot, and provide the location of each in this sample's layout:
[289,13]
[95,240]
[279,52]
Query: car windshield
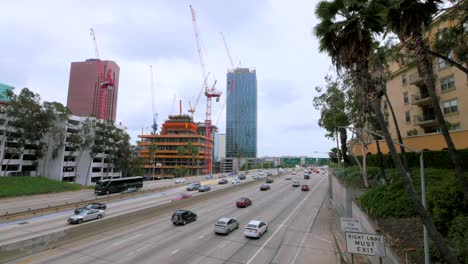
[81,212]
[221,223]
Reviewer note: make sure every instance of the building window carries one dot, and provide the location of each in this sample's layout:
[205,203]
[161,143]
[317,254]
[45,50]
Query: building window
[447,83]
[96,169]
[407,117]
[405,98]
[443,63]
[404,79]
[455,126]
[68,169]
[450,106]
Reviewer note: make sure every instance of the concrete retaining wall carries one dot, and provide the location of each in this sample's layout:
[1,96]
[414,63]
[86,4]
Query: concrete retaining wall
[344,201]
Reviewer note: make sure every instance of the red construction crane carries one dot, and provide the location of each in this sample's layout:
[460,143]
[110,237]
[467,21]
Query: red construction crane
[106,82]
[209,93]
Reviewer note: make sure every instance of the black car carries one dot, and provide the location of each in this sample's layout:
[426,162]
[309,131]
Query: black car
[306,176]
[204,188]
[183,217]
[223,181]
[99,206]
[264,187]
[242,177]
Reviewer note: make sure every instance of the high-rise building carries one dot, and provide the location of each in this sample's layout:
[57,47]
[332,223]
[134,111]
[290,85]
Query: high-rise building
[241,113]
[84,88]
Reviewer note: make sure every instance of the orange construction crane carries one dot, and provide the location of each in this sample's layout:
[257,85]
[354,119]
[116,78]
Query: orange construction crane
[209,93]
[105,80]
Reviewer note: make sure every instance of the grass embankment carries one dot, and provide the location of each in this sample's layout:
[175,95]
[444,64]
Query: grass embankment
[17,186]
[390,205]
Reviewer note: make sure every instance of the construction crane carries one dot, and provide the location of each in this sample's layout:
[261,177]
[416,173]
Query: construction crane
[209,93]
[191,108]
[155,114]
[105,80]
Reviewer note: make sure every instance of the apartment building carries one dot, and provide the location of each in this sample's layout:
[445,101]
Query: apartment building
[413,106]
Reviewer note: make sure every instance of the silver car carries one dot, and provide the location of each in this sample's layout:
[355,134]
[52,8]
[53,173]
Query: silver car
[225,225]
[86,215]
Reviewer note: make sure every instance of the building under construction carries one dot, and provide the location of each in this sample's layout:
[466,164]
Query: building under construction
[178,150]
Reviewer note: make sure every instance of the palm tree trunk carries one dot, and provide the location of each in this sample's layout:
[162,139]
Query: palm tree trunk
[397,128]
[420,210]
[344,147]
[426,72]
[381,163]
[447,59]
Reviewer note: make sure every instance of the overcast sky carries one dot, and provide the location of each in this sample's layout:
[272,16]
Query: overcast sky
[41,38]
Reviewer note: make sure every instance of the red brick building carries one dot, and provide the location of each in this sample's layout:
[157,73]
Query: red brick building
[83,88]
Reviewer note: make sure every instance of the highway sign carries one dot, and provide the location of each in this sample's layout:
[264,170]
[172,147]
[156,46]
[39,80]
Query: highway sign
[351,225]
[365,244]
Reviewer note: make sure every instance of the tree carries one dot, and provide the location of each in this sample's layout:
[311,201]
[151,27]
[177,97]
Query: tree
[345,32]
[181,153]
[152,149]
[333,110]
[27,122]
[408,19]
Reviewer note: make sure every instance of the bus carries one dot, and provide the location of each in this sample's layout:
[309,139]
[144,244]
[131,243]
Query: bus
[117,185]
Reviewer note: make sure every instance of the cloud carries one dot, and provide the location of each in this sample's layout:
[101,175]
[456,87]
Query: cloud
[273,36]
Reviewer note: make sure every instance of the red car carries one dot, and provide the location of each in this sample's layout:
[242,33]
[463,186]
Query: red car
[305,188]
[243,202]
[181,196]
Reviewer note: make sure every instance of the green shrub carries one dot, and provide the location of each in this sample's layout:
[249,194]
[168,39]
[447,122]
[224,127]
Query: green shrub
[432,159]
[443,194]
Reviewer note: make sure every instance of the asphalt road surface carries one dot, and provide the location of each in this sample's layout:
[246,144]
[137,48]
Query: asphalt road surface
[298,232]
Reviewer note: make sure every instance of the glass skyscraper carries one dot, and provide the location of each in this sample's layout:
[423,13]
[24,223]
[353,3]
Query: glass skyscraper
[241,113]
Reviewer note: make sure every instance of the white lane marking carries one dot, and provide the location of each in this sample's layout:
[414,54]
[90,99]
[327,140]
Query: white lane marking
[175,251]
[308,229]
[201,237]
[124,240]
[140,249]
[282,224]
[323,239]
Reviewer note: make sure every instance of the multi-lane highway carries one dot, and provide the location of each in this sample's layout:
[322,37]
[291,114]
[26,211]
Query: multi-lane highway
[299,231]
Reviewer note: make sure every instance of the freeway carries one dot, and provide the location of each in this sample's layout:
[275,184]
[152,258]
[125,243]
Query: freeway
[36,226]
[34,202]
[298,232]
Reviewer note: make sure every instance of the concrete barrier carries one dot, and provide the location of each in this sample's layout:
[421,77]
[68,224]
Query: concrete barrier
[23,248]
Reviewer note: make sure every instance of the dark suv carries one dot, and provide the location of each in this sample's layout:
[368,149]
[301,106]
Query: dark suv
[306,176]
[183,217]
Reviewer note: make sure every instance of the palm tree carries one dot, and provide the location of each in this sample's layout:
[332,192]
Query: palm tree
[181,152]
[408,19]
[346,32]
[152,156]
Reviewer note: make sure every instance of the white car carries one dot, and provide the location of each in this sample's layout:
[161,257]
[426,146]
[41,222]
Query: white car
[235,181]
[293,173]
[179,180]
[255,229]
